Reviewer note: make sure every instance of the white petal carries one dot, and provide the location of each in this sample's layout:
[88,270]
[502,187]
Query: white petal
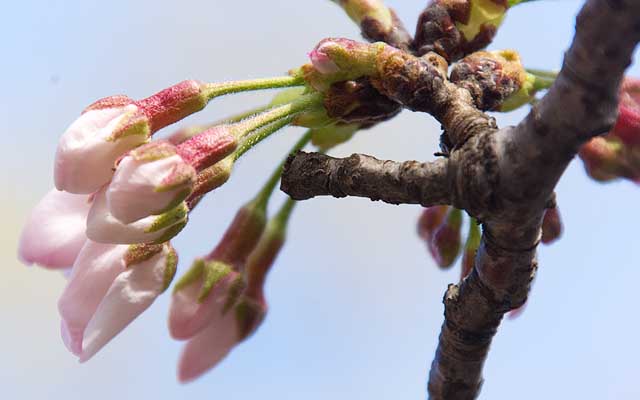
[133,192]
[105,228]
[86,151]
[132,292]
[93,273]
[55,230]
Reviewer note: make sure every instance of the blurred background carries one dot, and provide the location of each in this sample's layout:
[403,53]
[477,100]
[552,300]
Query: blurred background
[355,301]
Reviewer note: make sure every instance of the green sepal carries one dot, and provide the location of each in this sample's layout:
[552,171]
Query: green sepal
[212,273]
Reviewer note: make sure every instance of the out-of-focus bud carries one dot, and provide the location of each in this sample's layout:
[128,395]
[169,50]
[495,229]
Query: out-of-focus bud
[551,225]
[109,286]
[445,245]
[430,219]
[103,227]
[627,127]
[492,78]
[112,126]
[150,180]
[337,59]
[55,231]
[470,249]
[377,22]
[601,158]
[455,28]
[201,296]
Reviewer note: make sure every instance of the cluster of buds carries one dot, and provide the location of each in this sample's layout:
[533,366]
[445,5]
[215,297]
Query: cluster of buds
[441,229]
[120,197]
[617,154]
[220,301]
[455,28]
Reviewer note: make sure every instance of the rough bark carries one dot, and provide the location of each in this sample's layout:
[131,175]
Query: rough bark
[409,182]
[504,177]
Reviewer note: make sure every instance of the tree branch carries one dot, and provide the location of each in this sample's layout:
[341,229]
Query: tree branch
[306,175]
[530,159]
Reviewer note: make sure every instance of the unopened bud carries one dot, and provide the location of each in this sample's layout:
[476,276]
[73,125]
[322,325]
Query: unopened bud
[337,59]
[627,127]
[445,245]
[150,180]
[551,225]
[491,77]
[103,227]
[208,147]
[112,126]
[601,158]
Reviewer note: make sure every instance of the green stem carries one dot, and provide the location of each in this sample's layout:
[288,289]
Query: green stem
[261,134]
[543,73]
[263,196]
[244,115]
[213,90]
[299,104]
[542,83]
[283,214]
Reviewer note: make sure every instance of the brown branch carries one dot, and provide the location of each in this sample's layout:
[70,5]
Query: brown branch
[307,175]
[505,177]
[530,159]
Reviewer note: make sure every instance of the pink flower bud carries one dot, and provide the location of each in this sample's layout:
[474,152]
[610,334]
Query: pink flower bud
[111,285]
[200,297]
[151,180]
[430,220]
[55,230]
[551,225]
[321,60]
[445,245]
[103,227]
[210,346]
[114,125]
[627,126]
[601,158]
[88,149]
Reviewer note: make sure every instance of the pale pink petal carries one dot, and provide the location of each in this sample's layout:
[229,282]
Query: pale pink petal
[321,61]
[132,292]
[55,230]
[105,228]
[208,347]
[95,269]
[136,190]
[87,151]
[187,316]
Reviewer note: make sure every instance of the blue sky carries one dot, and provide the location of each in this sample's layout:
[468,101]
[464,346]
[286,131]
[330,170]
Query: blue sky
[355,302]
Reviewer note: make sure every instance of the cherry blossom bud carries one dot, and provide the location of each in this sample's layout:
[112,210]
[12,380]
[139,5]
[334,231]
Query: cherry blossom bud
[627,127]
[601,158]
[551,225]
[455,28]
[430,220]
[55,230]
[150,180]
[470,249]
[200,296]
[492,78]
[114,125]
[479,18]
[103,227]
[445,245]
[337,59]
[109,286]
[213,177]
